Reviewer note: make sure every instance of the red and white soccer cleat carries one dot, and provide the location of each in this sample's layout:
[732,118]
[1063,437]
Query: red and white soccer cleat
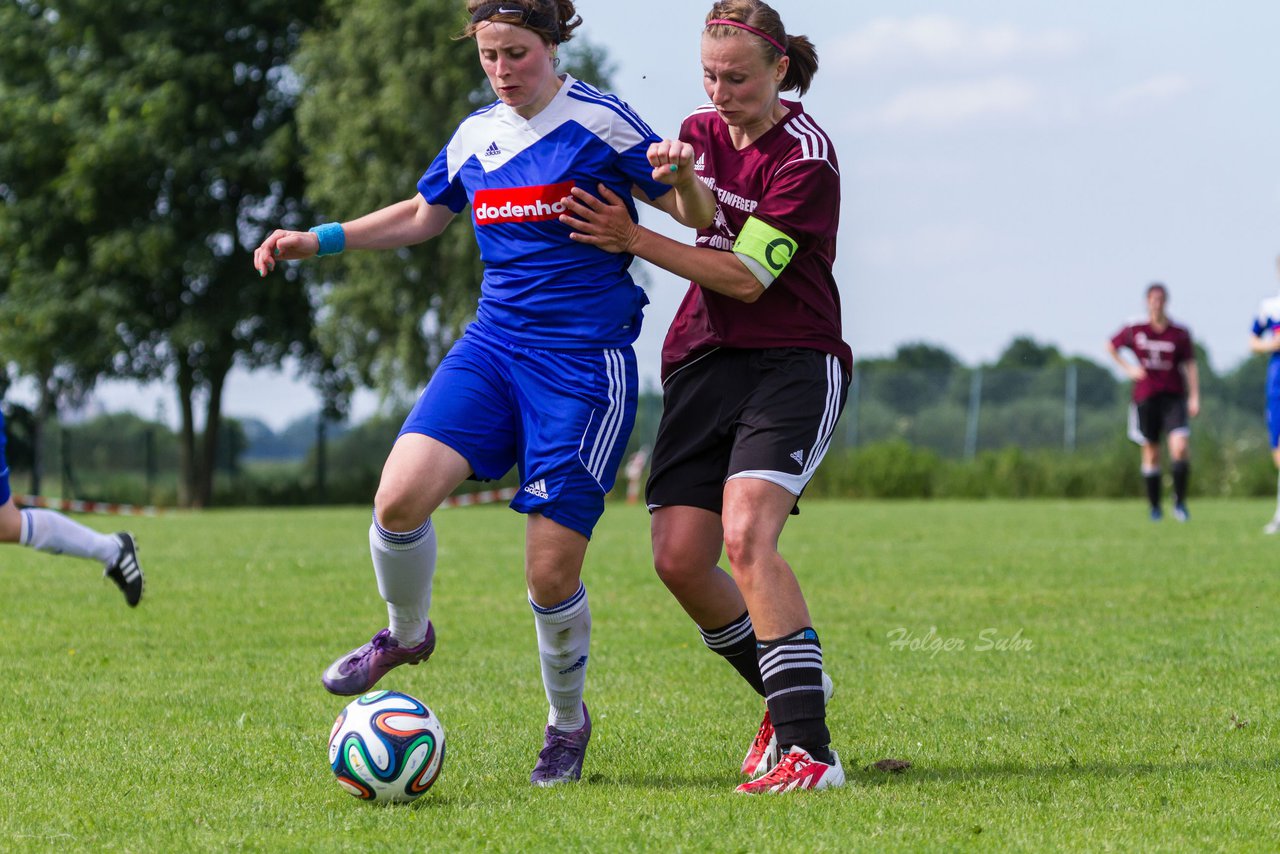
[763,753]
[797,770]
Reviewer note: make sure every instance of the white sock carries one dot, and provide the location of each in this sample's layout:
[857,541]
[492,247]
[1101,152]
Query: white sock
[405,564]
[50,531]
[564,636]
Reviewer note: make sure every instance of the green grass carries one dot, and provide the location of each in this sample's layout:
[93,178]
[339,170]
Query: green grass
[197,722]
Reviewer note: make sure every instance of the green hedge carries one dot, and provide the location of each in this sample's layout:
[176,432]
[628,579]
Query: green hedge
[896,469]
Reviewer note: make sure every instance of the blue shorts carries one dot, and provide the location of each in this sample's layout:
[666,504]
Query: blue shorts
[4,467]
[562,416]
[1273,421]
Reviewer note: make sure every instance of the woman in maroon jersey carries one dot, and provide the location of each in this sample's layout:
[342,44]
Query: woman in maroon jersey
[755,374]
[1166,396]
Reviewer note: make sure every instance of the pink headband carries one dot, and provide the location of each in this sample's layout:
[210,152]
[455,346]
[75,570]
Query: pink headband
[761,33]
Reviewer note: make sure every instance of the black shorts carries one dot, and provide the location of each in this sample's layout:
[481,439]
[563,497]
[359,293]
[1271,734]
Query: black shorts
[1157,416]
[767,414]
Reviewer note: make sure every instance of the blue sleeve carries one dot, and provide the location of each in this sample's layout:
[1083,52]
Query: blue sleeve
[634,164]
[1260,326]
[438,189]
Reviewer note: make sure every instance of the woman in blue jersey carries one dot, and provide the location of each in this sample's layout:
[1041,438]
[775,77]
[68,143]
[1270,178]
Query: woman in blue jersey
[545,378]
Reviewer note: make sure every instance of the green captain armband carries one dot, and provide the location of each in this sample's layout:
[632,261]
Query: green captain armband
[765,250]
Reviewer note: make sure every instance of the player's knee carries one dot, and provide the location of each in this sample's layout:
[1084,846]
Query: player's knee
[744,547]
[397,510]
[676,566]
[10,523]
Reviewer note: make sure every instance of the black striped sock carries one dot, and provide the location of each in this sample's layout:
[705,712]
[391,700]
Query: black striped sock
[1181,474]
[737,643]
[1152,479]
[792,672]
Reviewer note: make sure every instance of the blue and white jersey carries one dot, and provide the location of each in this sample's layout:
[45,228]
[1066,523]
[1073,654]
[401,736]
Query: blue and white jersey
[540,288]
[1267,324]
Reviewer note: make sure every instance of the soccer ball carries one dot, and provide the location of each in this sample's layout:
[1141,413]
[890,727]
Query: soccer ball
[386,747]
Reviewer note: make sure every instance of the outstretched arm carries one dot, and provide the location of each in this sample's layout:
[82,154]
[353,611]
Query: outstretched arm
[401,224]
[605,223]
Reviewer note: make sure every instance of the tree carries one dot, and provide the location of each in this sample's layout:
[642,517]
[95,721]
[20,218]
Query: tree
[920,356]
[166,145]
[384,89]
[52,324]
[1024,352]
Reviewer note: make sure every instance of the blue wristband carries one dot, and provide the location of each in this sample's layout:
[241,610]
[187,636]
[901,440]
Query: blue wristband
[332,238]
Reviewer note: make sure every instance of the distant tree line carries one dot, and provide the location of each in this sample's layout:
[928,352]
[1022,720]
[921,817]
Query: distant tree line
[903,436]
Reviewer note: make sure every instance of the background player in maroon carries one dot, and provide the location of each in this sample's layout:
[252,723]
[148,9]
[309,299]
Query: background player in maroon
[754,375]
[1166,396]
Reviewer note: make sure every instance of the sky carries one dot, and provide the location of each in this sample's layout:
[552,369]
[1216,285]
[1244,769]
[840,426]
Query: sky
[1007,168]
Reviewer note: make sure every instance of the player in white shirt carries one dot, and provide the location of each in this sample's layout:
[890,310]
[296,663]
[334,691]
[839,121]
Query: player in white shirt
[1266,339]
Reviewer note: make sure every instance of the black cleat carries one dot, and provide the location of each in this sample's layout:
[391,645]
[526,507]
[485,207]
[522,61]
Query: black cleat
[125,571]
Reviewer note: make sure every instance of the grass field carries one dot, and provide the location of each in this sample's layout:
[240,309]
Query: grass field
[1116,689]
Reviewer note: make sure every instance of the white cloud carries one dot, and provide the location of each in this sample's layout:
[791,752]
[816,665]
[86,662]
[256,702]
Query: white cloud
[946,41]
[946,105]
[1154,90]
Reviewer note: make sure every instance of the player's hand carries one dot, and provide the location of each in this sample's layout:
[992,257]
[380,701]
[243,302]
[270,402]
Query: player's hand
[603,222]
[1193,405]
[672,162]
[1137,373]
[283,245]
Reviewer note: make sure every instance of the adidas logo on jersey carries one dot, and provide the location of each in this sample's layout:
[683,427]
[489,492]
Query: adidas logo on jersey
[798,456]
[700,163]
[520,204]
[492,150]
[538,489]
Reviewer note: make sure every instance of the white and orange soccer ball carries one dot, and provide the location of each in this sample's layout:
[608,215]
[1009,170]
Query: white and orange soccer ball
[386,747]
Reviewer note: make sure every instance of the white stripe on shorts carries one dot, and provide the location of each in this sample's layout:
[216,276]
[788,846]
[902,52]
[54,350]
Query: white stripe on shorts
[611,425]
[795,483]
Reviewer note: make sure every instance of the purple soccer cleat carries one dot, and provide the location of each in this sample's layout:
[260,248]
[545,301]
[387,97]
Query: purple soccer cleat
[561,758]
[359,670]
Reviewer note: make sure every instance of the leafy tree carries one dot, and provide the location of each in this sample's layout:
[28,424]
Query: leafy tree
[1245,386]
[1095,385]
[162,144]
[52,325]
[1024,352]
[920,356]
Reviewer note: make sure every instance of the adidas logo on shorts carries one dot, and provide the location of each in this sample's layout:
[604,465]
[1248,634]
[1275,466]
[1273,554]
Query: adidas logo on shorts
[798,456]
[538,489]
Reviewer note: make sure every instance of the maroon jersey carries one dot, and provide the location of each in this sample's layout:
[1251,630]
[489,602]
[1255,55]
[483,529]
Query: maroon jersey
[1161,353]
[790,180]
